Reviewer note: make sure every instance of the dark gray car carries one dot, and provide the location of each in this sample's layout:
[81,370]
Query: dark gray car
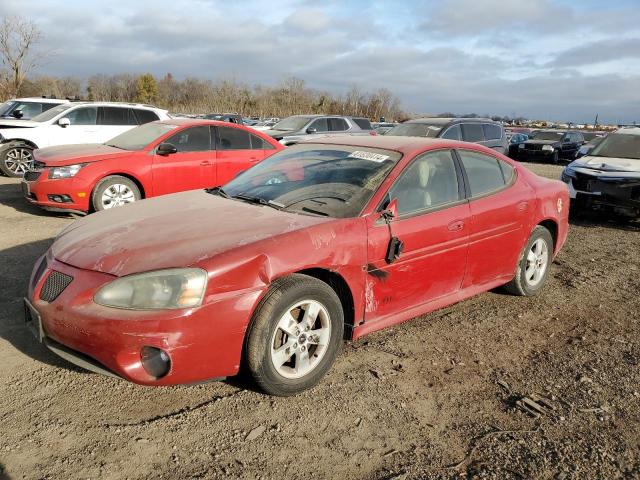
[475,130]
[297,128]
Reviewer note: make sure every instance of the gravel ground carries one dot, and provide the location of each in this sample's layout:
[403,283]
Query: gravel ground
[441,396]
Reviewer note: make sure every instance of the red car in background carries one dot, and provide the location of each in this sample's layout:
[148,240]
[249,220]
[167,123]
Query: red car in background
[324,241]
[153,159]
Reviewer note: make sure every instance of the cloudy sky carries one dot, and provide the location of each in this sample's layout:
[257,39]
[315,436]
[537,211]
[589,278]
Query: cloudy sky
[556,59]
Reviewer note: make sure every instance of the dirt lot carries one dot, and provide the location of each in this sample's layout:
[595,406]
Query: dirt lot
[436,397]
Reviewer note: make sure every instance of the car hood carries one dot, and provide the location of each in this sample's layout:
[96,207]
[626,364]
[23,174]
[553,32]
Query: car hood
[71,154]
[542,142]
[177,230]
[15,123]
[608,164]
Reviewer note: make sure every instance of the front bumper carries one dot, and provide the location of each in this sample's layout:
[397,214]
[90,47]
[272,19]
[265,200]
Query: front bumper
[203,343]
[38,189]
[608,191]
[527,154]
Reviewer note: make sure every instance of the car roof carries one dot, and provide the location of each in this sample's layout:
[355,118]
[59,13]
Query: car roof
[40,99]
[202,121]
[629,131]
[446,121]
[405,145]
[119,104]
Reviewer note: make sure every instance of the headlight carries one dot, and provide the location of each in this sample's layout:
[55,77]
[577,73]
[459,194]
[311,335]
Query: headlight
[547,148]
[521,145]
[65,172]
[159,290]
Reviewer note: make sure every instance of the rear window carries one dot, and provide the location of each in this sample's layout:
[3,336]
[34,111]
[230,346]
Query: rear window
[492,131]
[416,130]
[363,123]
[472,132]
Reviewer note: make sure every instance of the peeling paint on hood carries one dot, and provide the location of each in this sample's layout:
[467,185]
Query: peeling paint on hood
[170,231]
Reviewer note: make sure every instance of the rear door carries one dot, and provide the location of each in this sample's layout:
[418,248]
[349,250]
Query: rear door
[192,167]
[500,217]
[113,121]
[237,150]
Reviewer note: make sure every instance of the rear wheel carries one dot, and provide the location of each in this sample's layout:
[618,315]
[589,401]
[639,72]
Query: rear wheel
[15,160]
[533,265]
[295,335]
[114,191]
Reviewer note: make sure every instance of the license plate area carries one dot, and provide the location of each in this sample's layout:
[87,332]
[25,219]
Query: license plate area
[33,321]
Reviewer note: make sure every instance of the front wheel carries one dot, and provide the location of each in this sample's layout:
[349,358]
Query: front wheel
[533,265]
[114,191]
[295,335]
[15,160]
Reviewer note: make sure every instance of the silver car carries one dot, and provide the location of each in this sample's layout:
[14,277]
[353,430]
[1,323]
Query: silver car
[298,128]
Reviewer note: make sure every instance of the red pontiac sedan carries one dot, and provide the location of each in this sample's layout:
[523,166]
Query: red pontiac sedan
[321,242]
[150,160]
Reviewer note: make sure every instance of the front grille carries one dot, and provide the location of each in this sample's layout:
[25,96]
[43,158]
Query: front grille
[32,175]
[532,147]
[42,266]
[583,182]
[54,285]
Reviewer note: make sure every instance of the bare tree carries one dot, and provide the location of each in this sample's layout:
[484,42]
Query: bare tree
[17,39]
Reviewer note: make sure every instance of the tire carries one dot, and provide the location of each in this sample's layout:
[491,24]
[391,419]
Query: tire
[114,191]
[555,158]
[16,159]
[267,344]
[522,284]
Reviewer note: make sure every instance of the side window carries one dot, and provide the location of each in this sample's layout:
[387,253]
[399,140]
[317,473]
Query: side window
[117,116]
[82,116]
[338,125]
[453,133]
[194,139]
[492,131]
[508,172]
[472,132]
[233,139]
[320,125]
[429,181]
[258,143]
[363,123]
[483,171]
[145,116]
[30,110]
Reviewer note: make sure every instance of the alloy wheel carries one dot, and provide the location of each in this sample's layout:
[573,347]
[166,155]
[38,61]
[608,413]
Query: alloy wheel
[537,262]
[117,195]
[19,160]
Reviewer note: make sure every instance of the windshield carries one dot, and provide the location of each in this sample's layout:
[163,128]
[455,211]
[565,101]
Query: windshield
[49,114]
[416,130]
[6,107]
[292,123]
[555,136]
[329,180]
[618,145]
[139,137]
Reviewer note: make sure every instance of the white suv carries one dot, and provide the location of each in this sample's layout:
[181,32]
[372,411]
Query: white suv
[75,122]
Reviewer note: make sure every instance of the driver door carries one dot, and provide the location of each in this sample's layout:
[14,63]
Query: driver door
[432,223]
[83,127]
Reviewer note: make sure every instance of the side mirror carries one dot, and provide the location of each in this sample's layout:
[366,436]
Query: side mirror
[17,113]
[312,130]
[391,211]
[64,122]
[166,149]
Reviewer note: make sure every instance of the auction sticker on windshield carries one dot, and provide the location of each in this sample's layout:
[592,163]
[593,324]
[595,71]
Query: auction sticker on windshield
[374,157]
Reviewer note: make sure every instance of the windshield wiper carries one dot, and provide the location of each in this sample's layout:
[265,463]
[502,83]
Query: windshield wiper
[114,146]
[218,191]
[259,201]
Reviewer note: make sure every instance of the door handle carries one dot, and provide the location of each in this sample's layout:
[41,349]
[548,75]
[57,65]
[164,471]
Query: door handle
[456,226]
[205,163]
[522,206]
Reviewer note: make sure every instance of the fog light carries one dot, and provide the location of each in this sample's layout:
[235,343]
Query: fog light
[62,198]
[155,361]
